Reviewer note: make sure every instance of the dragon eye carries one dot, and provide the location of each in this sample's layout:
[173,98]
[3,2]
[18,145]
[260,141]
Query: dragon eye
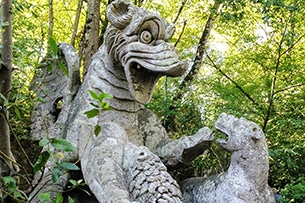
[146,37]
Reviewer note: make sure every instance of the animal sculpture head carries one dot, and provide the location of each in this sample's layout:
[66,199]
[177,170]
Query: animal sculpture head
[137,42]
[241,133]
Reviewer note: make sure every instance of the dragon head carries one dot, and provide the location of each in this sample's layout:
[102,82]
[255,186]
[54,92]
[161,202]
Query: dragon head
[137,42]
[241,133]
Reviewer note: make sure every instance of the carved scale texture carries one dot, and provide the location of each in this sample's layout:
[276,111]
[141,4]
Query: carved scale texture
[149,181]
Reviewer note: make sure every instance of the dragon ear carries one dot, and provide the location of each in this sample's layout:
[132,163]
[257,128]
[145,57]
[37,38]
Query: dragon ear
[256,133]
[119,13]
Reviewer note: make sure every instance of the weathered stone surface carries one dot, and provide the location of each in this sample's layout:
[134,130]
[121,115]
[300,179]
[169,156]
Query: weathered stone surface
[120,164]
[247,176]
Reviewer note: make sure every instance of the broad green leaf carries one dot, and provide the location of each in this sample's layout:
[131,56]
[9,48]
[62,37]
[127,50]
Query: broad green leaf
[68,166]
[10,182]
[55,174]
[50,67]
[92,113]
[44,141]
[53,46]
[97,130]
[41,161]
[103,95]
[63,145]
[70,200]
[94,95]
[44,197]
[59,198]
[63,68]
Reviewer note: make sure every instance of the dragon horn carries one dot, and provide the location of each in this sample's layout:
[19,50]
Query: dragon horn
[119,13]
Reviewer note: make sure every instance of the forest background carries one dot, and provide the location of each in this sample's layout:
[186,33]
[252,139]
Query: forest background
[246,58]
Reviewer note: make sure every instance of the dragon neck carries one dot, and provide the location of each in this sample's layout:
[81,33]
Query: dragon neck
[253,163]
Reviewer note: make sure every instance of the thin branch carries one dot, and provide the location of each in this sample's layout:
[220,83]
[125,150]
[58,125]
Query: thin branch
[51,23]
[180,11]
[288,88]
[232,81]
[181,33]
[289,48]
[273,83]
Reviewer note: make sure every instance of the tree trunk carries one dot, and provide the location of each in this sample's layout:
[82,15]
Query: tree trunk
[7,159]
[190,77]
[91,34]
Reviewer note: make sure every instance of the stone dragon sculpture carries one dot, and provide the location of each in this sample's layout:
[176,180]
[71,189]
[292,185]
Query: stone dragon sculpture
[128,160]
[246,180]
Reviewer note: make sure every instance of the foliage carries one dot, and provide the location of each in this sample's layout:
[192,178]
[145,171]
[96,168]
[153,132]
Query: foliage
[100,106]
[294,191]
[253,67]
[59,167]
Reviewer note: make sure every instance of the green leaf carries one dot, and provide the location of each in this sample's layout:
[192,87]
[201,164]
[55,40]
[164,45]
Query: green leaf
[63,145]
[17,111]
[94,95]
[10,182]
[103,95]
[53,45]
[59,198]
[68,166]
[55,174]
[70,200]
[18,195]
[44,141]
[97,130]
[92,113]
[44,197]
[50,67]
[41,161]
[92,104]
[5,101]
[63,68]
[76,183]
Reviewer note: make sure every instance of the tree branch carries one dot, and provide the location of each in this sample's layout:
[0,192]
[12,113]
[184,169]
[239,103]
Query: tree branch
[180,11]
[182,31]
[233,81]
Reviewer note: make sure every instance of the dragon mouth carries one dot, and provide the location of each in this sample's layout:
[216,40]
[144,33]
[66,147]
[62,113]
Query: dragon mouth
[224,124]
[144,68]
[141,82]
